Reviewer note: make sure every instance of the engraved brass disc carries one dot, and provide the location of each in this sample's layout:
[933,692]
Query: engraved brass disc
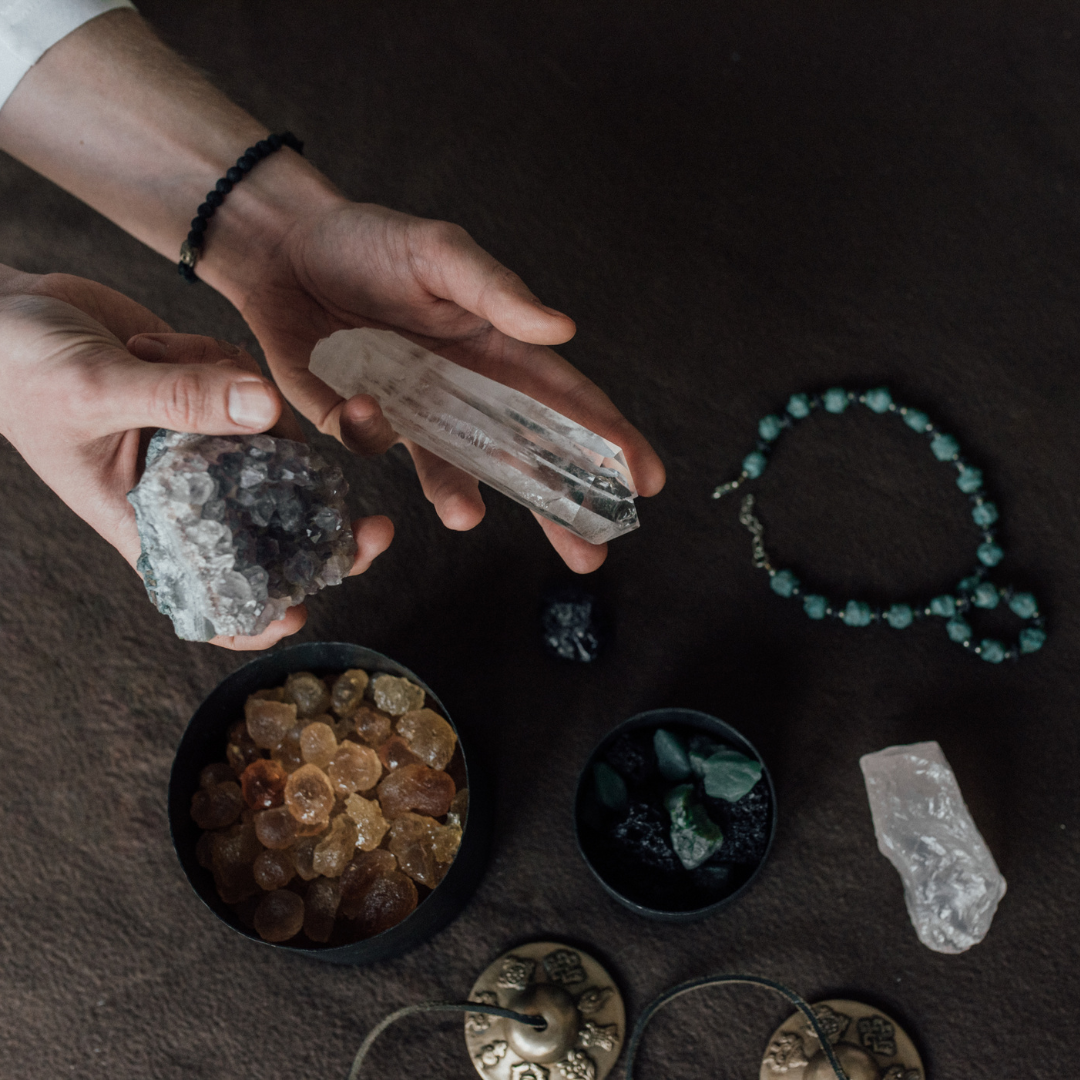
[578,998]
[868,1044]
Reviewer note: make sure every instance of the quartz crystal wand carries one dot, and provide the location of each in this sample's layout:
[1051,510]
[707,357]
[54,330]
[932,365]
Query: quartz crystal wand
[529,452]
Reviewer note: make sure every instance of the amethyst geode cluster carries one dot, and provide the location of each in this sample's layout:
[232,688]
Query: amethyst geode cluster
[236,529]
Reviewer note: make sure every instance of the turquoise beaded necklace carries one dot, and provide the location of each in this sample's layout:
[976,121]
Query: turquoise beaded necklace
[973,592]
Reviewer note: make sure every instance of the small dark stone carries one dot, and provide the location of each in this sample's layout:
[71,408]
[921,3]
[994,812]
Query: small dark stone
[572,625]
[745,825]
[632,756]
[643,834]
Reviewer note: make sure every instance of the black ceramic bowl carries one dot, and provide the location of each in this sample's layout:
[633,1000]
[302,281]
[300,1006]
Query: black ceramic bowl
[204,741]
[671,898]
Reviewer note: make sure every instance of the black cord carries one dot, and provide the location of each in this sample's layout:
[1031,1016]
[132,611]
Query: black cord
[192,247]
[724,980]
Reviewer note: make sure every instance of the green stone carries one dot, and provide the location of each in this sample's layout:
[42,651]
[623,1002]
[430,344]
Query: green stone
[989,554]
[916,420]
[1024,605]
[671,755]
[945,606]
[729,775]
[815,606]
[986,596]
[984,514]
[899,616]
[610,787]
[857,613]
[944,447]
[754,464]
[769,427]
[970,480]
[958,631]
[1032,639]
[835,400]
[799,406]
[993,652]
[701,749]
[694,835]
[784,582]
[878,400]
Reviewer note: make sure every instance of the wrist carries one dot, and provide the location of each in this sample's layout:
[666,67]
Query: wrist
[248,240]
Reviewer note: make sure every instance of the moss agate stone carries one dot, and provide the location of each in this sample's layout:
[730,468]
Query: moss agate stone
[695,837]
[237,529]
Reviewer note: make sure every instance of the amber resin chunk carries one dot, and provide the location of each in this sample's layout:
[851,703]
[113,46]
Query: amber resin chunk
[273,870]
[348,692]
[320,909]
[263,784]
[416,787]
[218,773]
[279,916]
[389,899]
[309,795]
[240,751]
[287,753]
[233,855]
[217,806]
[395,753]
[354,768]
[364,870]
[318,744]
[277,828]
[333,851]
[370,823]
[268,721]
[429,737]
[371,726]
[396,695]
[308,692]
[415,842]
[303,857]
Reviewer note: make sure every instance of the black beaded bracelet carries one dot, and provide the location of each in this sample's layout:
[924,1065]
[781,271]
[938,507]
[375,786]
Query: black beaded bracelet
[192,247]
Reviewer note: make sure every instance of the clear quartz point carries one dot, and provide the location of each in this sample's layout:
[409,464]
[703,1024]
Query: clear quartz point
[511,442]
[952,885]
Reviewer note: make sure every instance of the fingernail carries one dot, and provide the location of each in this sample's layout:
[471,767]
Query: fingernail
[150,348]
[252,404]
[228,348]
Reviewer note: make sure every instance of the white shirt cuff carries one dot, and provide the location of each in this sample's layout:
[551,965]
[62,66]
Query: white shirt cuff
[29,27]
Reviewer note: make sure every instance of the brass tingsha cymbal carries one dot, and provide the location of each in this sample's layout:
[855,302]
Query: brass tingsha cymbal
[868,1044]
[586,1020]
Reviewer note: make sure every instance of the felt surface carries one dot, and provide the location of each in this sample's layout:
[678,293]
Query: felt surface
[736,201]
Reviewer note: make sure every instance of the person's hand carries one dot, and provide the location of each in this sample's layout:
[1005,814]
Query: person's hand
[348,264]
[79,406]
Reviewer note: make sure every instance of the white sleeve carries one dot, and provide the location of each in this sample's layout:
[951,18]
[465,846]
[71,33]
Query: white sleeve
[29,27]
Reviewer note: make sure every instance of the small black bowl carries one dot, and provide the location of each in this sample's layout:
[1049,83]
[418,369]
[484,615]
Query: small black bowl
[646,892]
[204,742]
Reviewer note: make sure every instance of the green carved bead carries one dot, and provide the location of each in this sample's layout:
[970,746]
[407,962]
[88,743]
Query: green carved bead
[835,400]
[989,554]
[944,447]
[878,400]
[984,515]
[754,464]
[857,613]
[985,596]
[899,616]
[1024,605]
[916,420]
[993,652]
[784,582]
[970,480]
[958,631]
[1032,639]
[945,606]
[815,606]
[799,406]
[769,427]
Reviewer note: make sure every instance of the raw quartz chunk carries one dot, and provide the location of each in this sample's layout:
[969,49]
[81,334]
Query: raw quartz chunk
[362,872]
[273,870]
[416,787]
[354,768]
[396,695]
[371,726]
[429,736]
[320,908]
[309,795]
[318,744]
[263,784]
[268,721]
[536,456]
[348,692]
[217,806]
[952,885]
[279,916]
[333,851]
[237,529]
[308,692]
[370,823]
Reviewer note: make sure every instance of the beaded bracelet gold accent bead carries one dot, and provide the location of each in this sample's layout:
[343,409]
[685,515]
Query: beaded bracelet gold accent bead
[975,591]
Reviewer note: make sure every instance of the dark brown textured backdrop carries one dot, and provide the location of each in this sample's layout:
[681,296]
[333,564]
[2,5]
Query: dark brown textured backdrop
[735,201]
